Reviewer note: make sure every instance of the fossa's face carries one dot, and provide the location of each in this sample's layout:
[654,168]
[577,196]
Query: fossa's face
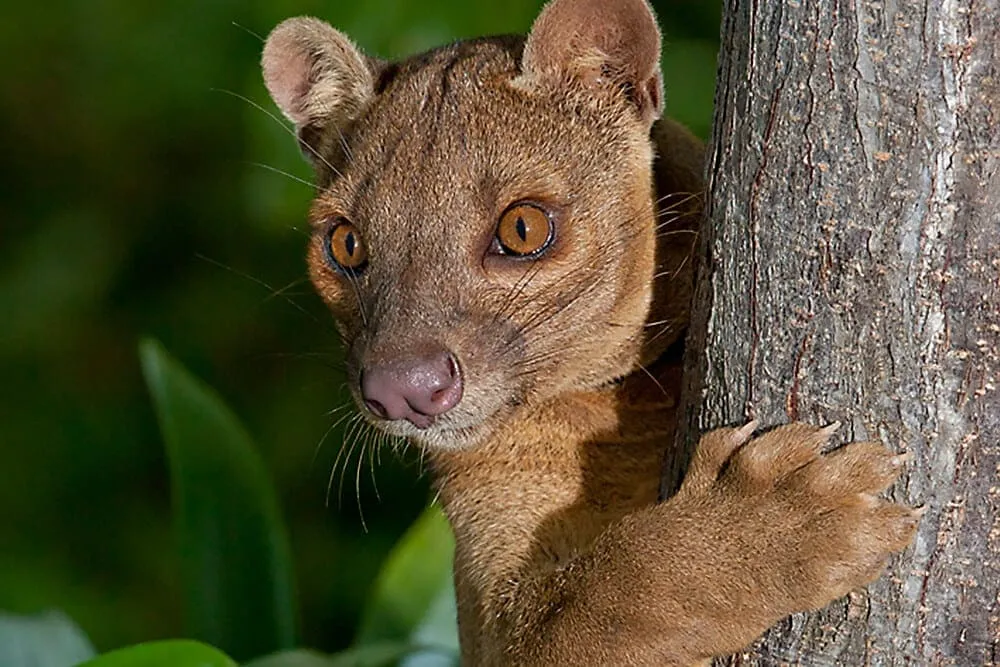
[484,245]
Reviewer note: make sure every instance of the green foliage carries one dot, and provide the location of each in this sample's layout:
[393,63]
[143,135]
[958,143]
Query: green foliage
[370,655]
[438,631]
[417,571]
[237,566]
[299,658]
[237,571]
[173,653]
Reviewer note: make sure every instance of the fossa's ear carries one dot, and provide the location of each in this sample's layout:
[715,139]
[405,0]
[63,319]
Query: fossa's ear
[316,75]
[609,45]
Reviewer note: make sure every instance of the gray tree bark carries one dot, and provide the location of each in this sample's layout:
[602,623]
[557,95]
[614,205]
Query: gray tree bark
[852,273]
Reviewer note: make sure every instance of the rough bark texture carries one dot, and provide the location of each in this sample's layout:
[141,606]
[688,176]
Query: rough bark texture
[853,274]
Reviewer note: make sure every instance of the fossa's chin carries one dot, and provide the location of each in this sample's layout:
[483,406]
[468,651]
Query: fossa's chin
[444,434]
[451,439]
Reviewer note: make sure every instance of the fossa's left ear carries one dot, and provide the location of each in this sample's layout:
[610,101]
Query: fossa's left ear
[609,46]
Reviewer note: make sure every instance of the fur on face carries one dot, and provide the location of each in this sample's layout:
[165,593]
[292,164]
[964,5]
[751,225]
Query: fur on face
[423,156]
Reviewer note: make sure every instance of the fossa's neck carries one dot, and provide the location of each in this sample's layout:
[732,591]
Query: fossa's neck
[542,489]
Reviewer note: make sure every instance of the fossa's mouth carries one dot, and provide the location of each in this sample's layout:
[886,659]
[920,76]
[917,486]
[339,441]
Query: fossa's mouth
[440,434]
[431,398]
[450,431]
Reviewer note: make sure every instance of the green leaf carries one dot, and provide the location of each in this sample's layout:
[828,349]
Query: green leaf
[439,629]
[435,657]
[382,654]
[298,658]
[235,557]
[172,653]
[417,569]
[49,639]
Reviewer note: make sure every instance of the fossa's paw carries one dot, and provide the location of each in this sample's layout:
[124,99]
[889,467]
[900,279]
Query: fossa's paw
[808,524]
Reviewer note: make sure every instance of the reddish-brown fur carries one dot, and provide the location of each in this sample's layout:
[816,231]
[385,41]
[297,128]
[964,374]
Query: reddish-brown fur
[548,467]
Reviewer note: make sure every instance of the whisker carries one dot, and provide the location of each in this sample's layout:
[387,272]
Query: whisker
[376,445]
[653,378]
[353,431]
[353,280]
[540,316]
[421,463]
[277,120]
[674,232]
[387,442]
[344,146]
[247,30]
[669,327]
[357,475]
[354,418]
[516,291]
[333,360]
[673,272]
[646,325]
[686,197]
[284,290]
[260,282]
[326,435]
[309,184]
[584,289]
[530,365]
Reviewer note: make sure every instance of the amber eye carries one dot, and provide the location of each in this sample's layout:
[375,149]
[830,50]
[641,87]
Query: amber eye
[344,248]
[525,230]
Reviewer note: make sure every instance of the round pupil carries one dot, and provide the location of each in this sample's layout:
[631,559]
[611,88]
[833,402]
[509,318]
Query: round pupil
[522,228]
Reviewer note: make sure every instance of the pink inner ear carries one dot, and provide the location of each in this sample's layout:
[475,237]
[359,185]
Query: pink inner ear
[568,33]
[287,75]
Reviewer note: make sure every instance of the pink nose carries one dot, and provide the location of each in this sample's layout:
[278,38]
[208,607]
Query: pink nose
[417,390]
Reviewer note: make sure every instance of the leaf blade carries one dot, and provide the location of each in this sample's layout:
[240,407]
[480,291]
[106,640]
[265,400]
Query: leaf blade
[169,653]
[418,567]
[235,557]
[380,654]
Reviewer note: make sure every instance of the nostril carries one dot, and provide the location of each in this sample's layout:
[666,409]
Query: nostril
[449,394]
[376,408]
[378,394]
[454,370]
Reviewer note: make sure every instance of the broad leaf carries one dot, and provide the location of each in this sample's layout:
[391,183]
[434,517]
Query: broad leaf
[417,569]
[235,557]
[379,654]
[382,654]
[439,629]
[173,653]
[297,658]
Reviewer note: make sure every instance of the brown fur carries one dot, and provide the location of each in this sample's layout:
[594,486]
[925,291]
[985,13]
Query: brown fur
[548,467]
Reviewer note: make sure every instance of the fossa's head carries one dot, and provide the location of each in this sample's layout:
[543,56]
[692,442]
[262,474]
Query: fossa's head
[484,228]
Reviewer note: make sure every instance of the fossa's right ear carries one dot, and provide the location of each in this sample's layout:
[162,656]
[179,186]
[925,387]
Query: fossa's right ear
[316,75]
[604,45]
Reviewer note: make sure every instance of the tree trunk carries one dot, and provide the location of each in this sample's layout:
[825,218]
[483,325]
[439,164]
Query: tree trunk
[852,273]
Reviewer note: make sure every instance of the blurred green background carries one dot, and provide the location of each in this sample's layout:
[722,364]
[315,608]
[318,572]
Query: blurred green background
[133,201]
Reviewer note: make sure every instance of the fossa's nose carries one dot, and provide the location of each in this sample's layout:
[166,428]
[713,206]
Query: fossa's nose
[417,390]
